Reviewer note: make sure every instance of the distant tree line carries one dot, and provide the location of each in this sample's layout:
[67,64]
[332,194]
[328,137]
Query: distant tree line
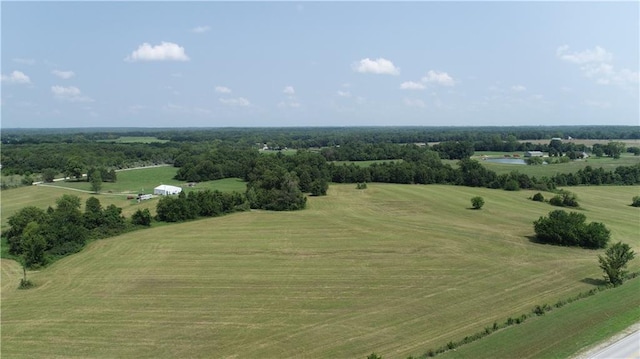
[27,159]
[27,152]
[308,137]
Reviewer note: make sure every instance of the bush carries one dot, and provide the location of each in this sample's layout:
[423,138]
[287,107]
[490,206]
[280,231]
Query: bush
[512,185]
[362,185]
[141,217]
[533,161]
[477,202]
[538,197]
[25,284]
[636,201]
[319,187]
[565,199]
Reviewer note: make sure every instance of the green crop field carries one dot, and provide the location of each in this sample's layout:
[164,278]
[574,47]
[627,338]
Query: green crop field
[395,269]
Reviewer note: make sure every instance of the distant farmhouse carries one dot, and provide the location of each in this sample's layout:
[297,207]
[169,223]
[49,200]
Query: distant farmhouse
[166,190]
[533,154]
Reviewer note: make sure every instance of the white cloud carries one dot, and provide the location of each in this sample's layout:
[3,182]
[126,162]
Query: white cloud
[518,88]
[410,85]
[344,93]
[24,61]
[166,51]
[440,78]
[289,91]
[222,89]
[413,102]
[71,94]
[596,55]
[16,77]
[238,101]
[596,64]
[201,29]
[63,74]
[378,66]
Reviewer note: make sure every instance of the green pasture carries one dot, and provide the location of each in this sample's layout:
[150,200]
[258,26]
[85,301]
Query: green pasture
[135,139]
[144,180]
[132,181]
[393,269]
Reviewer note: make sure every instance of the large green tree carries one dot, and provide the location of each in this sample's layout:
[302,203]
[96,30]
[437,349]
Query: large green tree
[33,246]
[614,149]
[74,168]
[17,224]
[95,178]
[49,174]
[65,231]
[614,262]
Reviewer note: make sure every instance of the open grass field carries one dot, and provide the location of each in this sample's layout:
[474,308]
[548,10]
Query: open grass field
[146,179]
[135,139]
[395,269]
[133,181]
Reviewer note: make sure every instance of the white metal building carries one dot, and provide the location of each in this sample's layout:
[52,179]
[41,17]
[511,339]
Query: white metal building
[166,190]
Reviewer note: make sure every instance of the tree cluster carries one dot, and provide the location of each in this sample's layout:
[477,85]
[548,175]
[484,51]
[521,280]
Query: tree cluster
[36,234]
[569,229]
[272,187]
[196,204]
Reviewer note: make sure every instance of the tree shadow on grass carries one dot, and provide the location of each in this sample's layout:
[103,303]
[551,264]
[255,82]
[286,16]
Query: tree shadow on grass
[534,239]
[594,281]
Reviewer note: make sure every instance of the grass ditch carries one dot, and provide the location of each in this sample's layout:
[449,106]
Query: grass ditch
[537,311]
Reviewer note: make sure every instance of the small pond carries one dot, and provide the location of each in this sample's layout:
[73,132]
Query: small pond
[509,161]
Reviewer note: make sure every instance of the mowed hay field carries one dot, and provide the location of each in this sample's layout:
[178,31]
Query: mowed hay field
[395,269]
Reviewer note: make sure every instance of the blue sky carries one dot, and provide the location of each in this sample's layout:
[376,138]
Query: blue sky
[221,64]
